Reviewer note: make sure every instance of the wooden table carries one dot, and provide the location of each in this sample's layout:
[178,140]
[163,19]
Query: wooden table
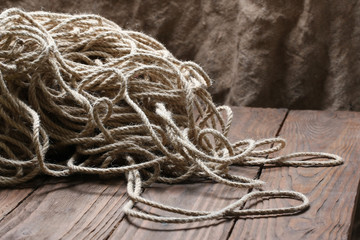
[86,207]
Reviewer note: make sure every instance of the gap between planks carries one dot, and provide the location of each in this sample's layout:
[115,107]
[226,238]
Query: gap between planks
[112,220]
[332,191]
[263,123]
[260,169]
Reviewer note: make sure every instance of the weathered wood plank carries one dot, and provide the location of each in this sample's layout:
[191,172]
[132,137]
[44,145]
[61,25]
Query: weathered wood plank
[10,198]
[84,209]
[72,209]
[332,191]
[248,123]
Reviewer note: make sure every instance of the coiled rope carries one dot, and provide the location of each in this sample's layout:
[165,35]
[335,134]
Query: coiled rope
[79,94]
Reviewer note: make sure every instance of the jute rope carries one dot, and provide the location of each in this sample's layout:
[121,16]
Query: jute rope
[78,94]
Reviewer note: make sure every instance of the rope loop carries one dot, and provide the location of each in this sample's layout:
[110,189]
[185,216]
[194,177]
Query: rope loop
[79,94]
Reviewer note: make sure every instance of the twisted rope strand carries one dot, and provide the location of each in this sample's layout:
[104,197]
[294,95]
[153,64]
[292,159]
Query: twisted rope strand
[120,103]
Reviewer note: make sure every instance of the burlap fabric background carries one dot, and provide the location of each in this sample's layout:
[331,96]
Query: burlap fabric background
[269,53]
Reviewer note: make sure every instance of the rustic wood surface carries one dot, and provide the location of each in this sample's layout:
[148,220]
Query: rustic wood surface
[332,191]
[86,207]
[204,196]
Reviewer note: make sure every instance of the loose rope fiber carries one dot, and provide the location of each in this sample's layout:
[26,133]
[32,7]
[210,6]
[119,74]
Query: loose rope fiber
[79,94]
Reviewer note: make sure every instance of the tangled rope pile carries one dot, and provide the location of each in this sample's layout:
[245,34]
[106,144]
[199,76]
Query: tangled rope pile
[78,94]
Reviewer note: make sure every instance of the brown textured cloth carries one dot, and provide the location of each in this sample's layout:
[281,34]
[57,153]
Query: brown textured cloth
[269,53]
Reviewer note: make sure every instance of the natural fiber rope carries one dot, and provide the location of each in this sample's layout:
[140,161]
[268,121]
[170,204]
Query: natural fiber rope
[78,94]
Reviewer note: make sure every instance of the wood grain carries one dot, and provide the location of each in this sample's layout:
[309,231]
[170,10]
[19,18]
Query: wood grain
[10,198]
[332,191]
[73,209]
[248,123]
